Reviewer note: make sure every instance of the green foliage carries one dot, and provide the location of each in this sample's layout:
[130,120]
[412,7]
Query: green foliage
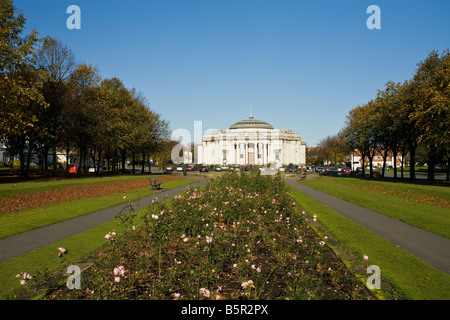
[50,102]
[407,114]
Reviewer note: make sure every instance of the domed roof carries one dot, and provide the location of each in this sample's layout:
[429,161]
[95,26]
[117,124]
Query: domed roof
[251,123]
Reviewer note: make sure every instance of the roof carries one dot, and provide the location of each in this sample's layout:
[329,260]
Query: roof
[251,123]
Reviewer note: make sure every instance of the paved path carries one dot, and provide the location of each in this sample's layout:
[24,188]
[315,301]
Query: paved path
[432,248]
[20,244]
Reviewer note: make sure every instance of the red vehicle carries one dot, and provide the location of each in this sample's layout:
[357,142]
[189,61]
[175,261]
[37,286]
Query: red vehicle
[73,168]
[189,168]
[346,170]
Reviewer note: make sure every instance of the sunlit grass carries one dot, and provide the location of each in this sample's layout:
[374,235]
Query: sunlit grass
[411,276]
[420,205]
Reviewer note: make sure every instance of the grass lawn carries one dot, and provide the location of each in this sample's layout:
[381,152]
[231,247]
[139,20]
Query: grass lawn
[29,219]
[418,204]
[78,246]
[8,189]
[412,277]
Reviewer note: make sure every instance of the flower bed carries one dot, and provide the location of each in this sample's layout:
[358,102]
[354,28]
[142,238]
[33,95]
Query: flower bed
[241,236]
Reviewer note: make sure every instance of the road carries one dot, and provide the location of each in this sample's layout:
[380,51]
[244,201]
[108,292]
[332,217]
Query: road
[390,174]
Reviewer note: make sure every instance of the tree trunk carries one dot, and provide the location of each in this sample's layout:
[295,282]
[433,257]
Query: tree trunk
[45,158]
[143,163]
[384,165]
[67,157]
[30,149]
[363,157]
[412,162]
[124,159]
[431,163]
[447,175]
[55,162]
[370,167]
[394,154]
[22,162]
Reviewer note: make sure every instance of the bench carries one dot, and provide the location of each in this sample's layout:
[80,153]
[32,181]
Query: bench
[302,177]
[154,184]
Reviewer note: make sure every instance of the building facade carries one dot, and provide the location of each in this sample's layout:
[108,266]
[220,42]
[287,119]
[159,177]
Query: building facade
[35,157]
[377,160]
[252,142]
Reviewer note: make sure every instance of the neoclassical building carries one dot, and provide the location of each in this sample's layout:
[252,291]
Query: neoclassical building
[252,142]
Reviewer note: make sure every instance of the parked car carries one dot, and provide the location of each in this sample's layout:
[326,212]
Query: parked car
[169,168]
[91,169]
[189,168]
[320,170]
[292,169]
[346,170]
[282,169]
[204,169]
[333,170]
[73,168]
[180,168]
[272,169]
[218,168]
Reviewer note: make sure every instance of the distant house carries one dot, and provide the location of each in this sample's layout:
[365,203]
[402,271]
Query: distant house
[35,158]
[377,160]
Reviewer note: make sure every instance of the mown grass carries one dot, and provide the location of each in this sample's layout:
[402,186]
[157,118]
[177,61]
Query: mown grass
[418,204]
[9,189]
[29,219]
[46,260]
[410,276]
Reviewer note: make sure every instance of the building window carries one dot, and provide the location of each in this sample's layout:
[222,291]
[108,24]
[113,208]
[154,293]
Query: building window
[241,150]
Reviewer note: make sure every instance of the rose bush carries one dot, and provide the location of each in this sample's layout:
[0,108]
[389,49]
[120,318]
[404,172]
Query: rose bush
[241,228]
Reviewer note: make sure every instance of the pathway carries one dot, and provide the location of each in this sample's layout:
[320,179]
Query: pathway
[20,244]
[432,248]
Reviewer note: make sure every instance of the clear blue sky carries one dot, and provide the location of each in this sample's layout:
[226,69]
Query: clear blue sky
[302,65]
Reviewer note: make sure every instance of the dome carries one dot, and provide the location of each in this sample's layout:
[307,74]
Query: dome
[251,123]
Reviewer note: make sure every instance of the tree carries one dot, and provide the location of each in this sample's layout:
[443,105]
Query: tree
[83,83]
[432,107]
[19,81]
[58,63]
[390,123]
[360,133]
[333,149]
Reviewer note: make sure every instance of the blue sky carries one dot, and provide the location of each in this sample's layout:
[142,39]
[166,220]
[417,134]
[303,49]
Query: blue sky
[301,65]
